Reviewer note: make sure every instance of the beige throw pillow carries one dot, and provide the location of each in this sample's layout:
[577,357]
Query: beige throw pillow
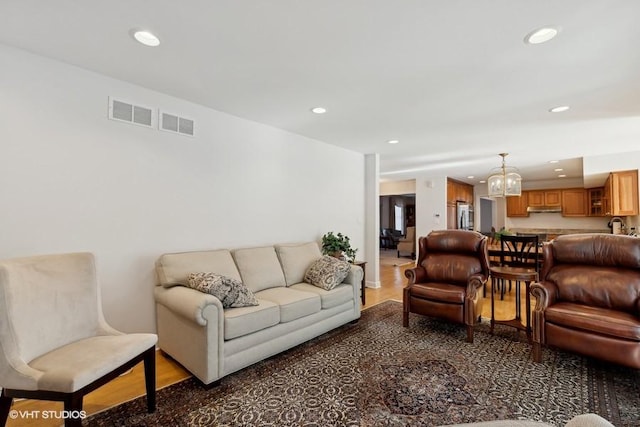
[327,272]
[230,292]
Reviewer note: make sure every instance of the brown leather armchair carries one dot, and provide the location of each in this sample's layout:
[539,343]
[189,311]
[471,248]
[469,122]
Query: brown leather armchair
[447,283]
[588,297]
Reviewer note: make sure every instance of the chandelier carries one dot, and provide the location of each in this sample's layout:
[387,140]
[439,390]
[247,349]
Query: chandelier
[504,181]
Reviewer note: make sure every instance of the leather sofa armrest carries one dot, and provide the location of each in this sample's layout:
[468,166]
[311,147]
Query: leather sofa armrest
[416,275]
[473,296]
[188,303]
[474,284]
[545,294]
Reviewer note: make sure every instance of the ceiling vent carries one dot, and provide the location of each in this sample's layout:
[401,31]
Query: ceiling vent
[127,112]
[177,124]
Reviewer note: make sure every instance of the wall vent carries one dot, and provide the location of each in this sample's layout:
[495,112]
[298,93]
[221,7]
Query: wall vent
[127,112]
[172,123]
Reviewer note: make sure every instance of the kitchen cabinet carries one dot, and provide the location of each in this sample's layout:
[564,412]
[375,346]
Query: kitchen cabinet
[574,202]
[595,201]
[459,192]
[621,193]
[517,205]
[539,198]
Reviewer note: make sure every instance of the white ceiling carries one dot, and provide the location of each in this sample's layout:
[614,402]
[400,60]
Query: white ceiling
[451,79]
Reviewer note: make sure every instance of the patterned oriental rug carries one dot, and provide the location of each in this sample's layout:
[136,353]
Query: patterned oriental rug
[377,373]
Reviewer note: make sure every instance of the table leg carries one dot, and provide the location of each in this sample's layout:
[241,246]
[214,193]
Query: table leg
[528,308]
[493,318]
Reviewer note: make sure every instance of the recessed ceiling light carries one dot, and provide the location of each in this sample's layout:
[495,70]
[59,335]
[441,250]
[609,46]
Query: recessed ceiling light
[319,110]
[541,35]
[558,170]
[470,177]
[393,141]
[483,182]
[554,161]
[146,38]
[559,109]
[562,176]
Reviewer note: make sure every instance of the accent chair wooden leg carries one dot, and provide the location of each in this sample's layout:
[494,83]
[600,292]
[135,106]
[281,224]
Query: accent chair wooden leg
[73,406]
[150,378]
[469,333]
[537,352]
[405,319]
[5,407]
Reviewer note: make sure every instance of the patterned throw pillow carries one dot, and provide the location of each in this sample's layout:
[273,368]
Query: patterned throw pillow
[327,272]
[230,292]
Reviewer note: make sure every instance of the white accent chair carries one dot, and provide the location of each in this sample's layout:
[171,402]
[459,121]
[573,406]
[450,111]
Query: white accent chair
[54,341]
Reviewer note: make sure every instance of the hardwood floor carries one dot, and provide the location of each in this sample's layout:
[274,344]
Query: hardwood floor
[131,385]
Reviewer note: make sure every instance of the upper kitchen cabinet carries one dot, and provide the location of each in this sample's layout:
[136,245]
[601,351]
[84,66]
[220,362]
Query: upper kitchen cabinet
[574,202]
[459,192]
[595,201]
[517,205]
[621,193]
[540,198]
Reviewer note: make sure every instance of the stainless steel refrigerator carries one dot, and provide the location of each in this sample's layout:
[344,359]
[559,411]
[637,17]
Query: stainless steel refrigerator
[464,213]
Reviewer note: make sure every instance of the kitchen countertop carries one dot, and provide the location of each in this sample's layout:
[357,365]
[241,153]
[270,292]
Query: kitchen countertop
[547,234]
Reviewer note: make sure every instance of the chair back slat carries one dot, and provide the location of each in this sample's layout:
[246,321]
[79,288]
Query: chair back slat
[520,251]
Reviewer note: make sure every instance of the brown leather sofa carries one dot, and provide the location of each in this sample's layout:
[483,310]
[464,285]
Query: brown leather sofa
[447,283]
[588,297]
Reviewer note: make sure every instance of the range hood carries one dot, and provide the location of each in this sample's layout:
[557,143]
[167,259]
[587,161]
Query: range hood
[544,209]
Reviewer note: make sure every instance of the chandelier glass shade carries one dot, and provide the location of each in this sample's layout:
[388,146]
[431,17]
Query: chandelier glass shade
[504,181]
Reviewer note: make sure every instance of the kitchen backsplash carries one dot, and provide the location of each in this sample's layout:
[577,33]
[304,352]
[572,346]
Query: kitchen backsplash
[557,221]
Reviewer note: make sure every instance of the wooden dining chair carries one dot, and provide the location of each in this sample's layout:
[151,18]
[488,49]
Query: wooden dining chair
[520,251]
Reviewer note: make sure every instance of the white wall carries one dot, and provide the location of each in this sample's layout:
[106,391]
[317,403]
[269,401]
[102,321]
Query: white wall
[72,180]
[431,203]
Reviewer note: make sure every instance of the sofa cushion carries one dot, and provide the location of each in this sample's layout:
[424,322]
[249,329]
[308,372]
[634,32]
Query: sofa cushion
[594,319]
[230,292]
[443,292]
[327,272]
[259,268]
[293,303]
[333,298]
[296,258]
[607,287]
[246,320]
[450,267]
[174,269]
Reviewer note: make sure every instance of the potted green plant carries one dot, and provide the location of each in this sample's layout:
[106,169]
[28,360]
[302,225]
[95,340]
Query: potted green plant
[502,232]
[339,246]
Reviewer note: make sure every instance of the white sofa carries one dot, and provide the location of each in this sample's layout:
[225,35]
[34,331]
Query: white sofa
[211,342]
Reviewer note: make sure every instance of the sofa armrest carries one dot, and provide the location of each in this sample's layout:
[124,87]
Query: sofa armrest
[355,276]
[415,275]
[545,294]
[474,284]
[186,302]
[473,296]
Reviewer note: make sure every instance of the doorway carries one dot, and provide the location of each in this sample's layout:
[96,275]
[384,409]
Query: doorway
[486,215]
